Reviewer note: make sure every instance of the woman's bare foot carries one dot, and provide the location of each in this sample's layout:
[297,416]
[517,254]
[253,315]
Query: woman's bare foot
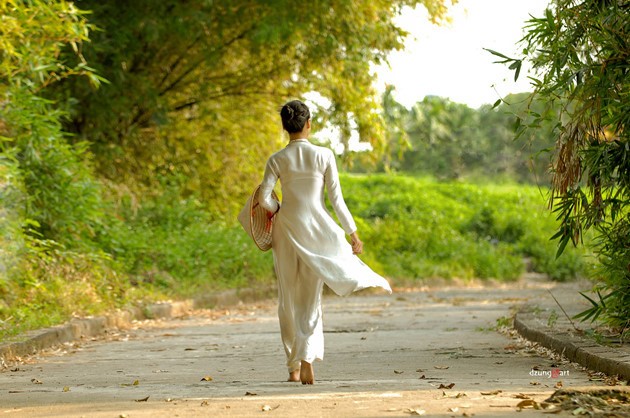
[294,376]
[307,375]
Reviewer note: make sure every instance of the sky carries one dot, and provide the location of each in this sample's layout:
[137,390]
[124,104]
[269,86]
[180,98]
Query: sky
[449,60]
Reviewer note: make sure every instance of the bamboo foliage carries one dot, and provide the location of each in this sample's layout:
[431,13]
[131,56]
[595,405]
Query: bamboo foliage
[580,50]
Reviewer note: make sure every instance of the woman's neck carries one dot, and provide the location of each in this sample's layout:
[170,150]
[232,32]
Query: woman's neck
[298,136]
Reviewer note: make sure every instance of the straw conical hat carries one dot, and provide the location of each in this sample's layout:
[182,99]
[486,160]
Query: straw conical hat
[255,221]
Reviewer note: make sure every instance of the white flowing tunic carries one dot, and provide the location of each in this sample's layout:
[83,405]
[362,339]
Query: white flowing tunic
[309,247]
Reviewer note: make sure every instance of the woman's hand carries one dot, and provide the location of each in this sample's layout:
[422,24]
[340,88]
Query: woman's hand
[357,245]
[272,214]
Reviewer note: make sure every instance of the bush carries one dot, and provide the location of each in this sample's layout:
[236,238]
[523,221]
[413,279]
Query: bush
[419,228]
[171,243]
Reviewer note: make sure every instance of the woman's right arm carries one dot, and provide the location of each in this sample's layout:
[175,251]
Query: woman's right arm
[266,188]
[357,244]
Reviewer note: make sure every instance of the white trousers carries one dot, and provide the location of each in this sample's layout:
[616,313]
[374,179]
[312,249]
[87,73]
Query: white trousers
[299,306]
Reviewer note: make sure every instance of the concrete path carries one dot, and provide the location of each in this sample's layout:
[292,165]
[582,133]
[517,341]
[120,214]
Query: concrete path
[434,352]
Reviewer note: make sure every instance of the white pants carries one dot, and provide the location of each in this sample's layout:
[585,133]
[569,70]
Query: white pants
[299,306]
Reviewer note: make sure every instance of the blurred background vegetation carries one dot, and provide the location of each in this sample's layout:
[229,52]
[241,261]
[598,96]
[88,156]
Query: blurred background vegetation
[132,132]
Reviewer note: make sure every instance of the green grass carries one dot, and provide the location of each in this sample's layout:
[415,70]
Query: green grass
[416,228]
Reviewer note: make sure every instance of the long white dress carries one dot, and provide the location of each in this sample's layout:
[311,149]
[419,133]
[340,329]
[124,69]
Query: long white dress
[309,248]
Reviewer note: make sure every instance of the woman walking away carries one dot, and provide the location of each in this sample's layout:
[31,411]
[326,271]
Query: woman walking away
[309,248]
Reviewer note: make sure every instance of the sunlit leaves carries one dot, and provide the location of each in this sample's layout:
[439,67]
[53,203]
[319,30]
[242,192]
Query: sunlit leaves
[218,72]
[32,35]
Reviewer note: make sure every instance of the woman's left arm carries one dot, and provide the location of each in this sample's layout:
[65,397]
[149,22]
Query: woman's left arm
[331,177]
[266,188]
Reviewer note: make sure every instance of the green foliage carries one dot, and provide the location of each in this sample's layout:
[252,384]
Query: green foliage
[171,244]
[49,285]
[579,50]
[60,196]
[201,83]
[50,201]
[450,140]
[418,228]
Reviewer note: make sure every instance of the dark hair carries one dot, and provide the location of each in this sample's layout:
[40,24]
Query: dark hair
[294,115]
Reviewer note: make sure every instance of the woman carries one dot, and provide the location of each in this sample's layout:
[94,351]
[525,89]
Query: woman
[309,248]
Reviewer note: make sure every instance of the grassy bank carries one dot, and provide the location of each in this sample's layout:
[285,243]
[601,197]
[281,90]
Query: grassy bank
[168,247]
[418,228]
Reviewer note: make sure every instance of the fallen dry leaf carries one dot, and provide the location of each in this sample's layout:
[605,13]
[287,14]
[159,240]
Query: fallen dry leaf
[267,408]
[454,409]
[143,399]
[135,383]
[459,395]
[251,394]
[399,371]
[36,381]
[441,367]
[204,403]
[422,377]
[521,396]
[66,389]
[492,392]
[449,386]
[206,379]
[415,411]
[527,403]
[419,370]
[558,384]
[534,383]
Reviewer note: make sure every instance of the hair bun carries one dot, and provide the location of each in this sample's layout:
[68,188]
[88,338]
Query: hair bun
[294,116]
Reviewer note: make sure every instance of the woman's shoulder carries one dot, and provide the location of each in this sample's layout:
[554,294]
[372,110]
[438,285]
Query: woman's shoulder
[324,151]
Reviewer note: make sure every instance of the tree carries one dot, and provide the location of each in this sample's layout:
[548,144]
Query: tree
[580,51]
[450,140]
[194,86]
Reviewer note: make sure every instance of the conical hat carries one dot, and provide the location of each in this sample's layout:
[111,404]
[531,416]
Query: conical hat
[255,221]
